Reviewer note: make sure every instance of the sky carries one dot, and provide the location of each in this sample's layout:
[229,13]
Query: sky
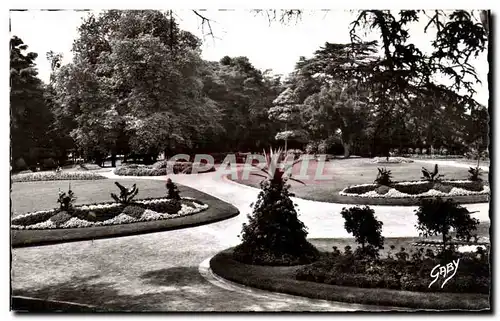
[273,46]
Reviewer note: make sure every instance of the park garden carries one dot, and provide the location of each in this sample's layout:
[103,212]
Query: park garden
[108,152]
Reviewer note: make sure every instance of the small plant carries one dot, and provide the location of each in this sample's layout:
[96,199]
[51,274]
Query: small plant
[363,225]
[172,190]
[126,194]
[66,200]
[383,177]
[475,174]
[433,176]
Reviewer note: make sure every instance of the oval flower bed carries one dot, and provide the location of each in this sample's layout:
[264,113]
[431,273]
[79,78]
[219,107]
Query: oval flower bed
[419,189]
[110,213]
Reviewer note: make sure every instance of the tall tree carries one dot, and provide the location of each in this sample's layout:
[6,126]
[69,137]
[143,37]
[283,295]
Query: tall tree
[134,85]
[30,117]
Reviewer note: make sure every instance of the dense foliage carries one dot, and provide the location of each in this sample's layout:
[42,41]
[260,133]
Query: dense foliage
[137,86]
[366,229]
[400,271]
[437,217]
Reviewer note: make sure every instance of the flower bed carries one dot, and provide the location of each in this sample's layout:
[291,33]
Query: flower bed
[401,273]
[55,176]
[418,189]
[110,213]
[392,160]
[158,169]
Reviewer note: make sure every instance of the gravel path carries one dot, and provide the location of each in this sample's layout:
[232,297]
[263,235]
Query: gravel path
[161,271]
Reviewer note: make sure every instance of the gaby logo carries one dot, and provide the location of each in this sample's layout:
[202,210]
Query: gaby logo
[442,271]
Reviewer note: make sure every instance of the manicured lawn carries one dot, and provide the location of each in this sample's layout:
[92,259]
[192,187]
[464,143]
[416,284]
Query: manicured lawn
[33,196]
[346,172]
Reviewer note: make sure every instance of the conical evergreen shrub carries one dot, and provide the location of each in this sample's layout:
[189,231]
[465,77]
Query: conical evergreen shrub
[274,234]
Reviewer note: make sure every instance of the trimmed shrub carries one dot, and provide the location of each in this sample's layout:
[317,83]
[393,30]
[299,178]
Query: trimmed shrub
[382,189]
[171,207]
[274,234]
[445,188]
[134,211]
[60,218]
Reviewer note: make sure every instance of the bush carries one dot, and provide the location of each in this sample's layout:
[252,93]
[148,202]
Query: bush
[66,200]
[33,219]
[134,211]
[170,207]
[172,190]
[60,218]
[383,177]
[382,189]
[274,235]
[413,189]
[436,216]
[445,188]
[366,229]
[474,174]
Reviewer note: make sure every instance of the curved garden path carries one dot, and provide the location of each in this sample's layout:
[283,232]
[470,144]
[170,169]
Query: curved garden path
[167,271]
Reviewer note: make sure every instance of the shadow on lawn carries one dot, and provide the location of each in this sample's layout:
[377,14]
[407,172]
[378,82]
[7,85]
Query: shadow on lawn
[164,290]
[171,289]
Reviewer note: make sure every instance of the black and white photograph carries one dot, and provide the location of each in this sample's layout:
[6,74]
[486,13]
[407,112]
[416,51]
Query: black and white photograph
[250,160]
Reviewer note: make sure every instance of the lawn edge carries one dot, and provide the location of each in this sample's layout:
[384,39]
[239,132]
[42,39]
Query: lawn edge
[225,267]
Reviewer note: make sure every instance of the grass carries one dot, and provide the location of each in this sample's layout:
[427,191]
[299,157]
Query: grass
[282,279]
[348,172]
[32,196]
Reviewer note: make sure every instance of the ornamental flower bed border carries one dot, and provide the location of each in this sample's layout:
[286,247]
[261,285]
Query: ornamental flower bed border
[122,218]
[395,194]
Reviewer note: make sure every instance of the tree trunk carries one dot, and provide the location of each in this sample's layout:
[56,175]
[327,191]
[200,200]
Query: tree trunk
[347,149]
[113,159]
[347,144]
